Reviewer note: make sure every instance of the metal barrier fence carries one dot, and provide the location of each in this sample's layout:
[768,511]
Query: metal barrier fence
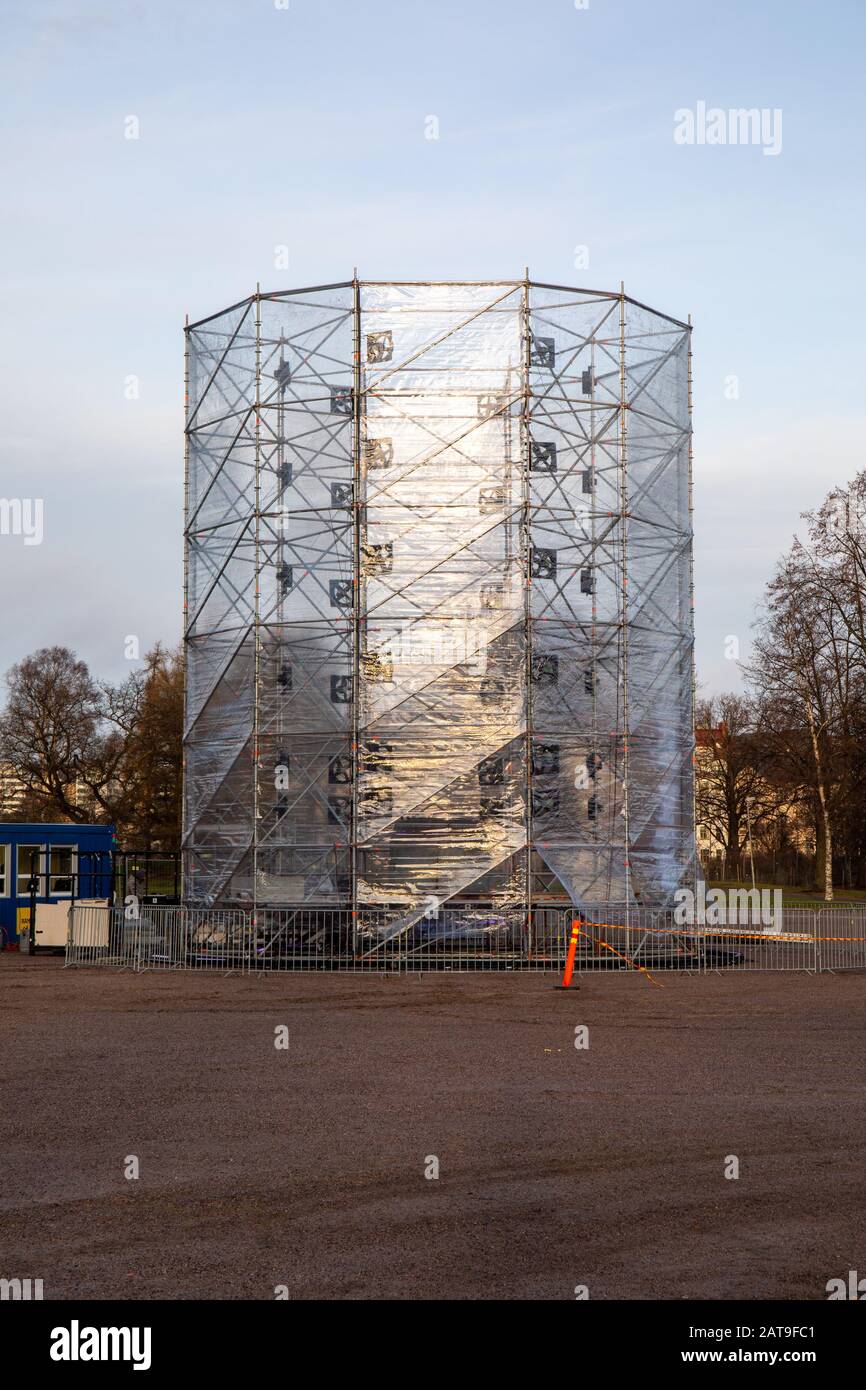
[612,937]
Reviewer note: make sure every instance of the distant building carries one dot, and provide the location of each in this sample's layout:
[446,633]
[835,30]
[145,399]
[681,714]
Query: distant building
[12,791]
[16,801]
[708,843]
[788,823]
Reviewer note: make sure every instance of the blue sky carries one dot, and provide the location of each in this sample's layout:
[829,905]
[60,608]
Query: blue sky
[305,127]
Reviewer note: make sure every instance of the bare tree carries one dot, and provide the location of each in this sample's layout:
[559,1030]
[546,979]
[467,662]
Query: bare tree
[79,749]
[153,762]
[803,675]
[731,786]
[49,728]
[837,557]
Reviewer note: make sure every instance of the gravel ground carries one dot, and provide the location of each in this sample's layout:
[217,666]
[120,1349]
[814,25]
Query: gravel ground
[306,1167]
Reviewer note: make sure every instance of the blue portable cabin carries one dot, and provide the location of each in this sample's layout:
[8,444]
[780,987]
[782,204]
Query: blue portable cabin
[70,861]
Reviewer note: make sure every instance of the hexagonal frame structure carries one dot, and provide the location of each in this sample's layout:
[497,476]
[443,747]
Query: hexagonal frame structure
[438,600]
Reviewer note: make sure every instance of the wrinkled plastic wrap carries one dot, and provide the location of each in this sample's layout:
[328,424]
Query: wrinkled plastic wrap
[439,626]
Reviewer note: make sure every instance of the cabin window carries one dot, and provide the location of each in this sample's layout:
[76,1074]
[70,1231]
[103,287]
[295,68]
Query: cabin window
[31,860]
[63,864]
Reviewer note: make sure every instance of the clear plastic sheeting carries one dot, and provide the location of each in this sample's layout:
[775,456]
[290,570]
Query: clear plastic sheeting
[439,612]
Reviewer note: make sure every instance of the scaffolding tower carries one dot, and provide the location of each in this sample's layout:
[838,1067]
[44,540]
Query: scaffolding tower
[438,600]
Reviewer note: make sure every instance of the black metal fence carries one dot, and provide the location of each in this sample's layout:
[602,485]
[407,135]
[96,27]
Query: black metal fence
[153,876]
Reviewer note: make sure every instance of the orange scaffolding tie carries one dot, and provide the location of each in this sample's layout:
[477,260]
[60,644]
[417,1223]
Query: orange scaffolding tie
[572,950]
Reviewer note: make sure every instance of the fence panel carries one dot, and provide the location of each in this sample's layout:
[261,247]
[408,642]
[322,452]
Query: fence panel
[842,937]
[89,935]
[613,936]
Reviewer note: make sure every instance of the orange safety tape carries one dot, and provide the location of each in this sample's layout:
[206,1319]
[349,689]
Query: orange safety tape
[628,959]
[739,932]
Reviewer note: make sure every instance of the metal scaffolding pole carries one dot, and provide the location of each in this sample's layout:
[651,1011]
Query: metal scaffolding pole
[691,613]
[257,625]
[624,619]
[186,426]
[526,575]
[357,594]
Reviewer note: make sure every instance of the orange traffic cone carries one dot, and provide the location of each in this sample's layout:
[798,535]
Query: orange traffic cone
[572,949]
